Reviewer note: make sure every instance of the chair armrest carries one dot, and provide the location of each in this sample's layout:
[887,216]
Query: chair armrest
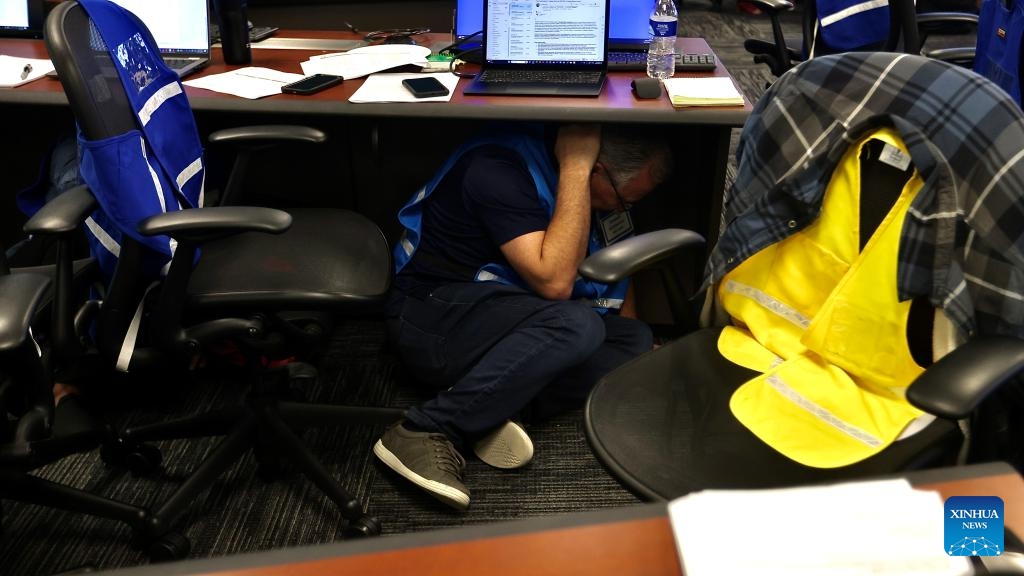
[961,56]
[63,214]
[270,132]
[947,18]
[246,140]
[631,255]
[773,6]
[202,224]
[21,294]
[955,385]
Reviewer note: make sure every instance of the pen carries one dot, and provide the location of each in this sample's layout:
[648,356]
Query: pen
[26,71]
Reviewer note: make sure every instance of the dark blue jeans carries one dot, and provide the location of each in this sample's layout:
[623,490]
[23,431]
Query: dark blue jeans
[493,351]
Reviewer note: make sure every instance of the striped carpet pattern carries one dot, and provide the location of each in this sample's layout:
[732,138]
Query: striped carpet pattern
[243,513]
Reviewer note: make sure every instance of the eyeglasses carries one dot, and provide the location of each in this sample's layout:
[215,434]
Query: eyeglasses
[622,202]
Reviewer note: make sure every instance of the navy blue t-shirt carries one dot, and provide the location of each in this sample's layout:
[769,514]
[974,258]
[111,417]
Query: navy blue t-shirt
[486,199]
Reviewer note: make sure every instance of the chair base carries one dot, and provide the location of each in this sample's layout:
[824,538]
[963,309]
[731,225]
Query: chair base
[24,487]
[266,425]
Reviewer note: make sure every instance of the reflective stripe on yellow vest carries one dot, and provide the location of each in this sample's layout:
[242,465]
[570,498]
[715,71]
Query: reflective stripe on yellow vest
[822,321]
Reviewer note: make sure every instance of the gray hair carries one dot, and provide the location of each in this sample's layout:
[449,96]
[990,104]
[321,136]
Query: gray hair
[626,150]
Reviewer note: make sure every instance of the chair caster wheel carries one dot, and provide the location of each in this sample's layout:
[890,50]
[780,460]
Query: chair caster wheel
[362,527]
[301,381]
[144,460]
[169,547]
[140,459]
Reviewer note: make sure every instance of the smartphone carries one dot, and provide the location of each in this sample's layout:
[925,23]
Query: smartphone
[425,87]
[311,84]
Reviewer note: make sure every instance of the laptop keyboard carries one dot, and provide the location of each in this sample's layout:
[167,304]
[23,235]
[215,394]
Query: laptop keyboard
[637,60]
[175,63]
[551,76]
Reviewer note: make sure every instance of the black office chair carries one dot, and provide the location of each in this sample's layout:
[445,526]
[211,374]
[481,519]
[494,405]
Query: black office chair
[268,281]
[34,432]
[662,424]
[908,32]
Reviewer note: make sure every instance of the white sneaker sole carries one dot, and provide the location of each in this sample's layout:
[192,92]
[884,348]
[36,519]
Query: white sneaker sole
[442,492]
[507,447]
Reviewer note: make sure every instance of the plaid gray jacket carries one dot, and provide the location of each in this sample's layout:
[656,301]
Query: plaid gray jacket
[962,245]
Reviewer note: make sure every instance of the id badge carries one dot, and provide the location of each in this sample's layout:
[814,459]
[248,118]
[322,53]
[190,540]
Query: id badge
[615,226]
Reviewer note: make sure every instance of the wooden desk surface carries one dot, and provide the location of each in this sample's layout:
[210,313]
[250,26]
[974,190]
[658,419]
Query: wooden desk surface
[616,102]
[634,540]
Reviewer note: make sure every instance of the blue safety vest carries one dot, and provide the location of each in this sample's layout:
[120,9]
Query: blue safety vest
[156,168]
[545,178]
[846,25]
[1000,41]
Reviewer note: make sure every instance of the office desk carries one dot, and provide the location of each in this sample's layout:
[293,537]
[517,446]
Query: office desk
[635,540]
[615,104]
[378,154]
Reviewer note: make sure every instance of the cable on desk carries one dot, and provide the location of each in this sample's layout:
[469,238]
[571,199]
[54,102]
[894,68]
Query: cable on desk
[395,35]
[451,63]
[457,45]
[458,53]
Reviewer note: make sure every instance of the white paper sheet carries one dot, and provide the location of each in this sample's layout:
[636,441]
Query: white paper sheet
[251,82]
[15,71]
[359,62]
[388,88]
[880,528]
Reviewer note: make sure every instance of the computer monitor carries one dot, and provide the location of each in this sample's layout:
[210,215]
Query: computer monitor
[21,18]
[628,21]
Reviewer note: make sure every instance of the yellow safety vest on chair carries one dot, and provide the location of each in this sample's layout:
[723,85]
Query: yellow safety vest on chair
[821,320]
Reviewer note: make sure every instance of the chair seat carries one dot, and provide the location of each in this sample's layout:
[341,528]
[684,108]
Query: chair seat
[348,265]
[641,419]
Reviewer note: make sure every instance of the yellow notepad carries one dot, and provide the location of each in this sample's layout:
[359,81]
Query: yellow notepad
[713,91]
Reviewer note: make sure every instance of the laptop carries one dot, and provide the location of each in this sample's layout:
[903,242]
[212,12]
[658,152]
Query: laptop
[21,19]
[543,48]
[628,30]
[181,29]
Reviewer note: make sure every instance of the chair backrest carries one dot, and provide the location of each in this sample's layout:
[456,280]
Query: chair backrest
[964,135]
[87,74]
[837,26]
[116,125]
[834,26]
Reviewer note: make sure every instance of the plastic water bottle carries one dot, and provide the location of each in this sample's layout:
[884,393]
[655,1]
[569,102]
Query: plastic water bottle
[661,52]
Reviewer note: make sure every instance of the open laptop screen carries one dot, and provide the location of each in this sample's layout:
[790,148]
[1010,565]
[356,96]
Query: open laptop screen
[546,31]
[628,23]
[21,18]
[178,26]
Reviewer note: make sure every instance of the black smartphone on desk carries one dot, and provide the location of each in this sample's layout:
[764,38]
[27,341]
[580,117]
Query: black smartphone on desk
[425,87]
[311,84]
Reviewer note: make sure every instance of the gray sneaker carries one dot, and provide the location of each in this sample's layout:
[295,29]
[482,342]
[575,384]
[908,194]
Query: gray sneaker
[428,460]
[507,446]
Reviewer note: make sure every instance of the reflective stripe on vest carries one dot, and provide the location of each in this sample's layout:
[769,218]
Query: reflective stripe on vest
[531,149]
[852,24]
[821,320]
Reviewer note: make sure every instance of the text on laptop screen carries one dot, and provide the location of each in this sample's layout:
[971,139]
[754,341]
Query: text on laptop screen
[628,20]
[177,25]
[546,31]
[14,14]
